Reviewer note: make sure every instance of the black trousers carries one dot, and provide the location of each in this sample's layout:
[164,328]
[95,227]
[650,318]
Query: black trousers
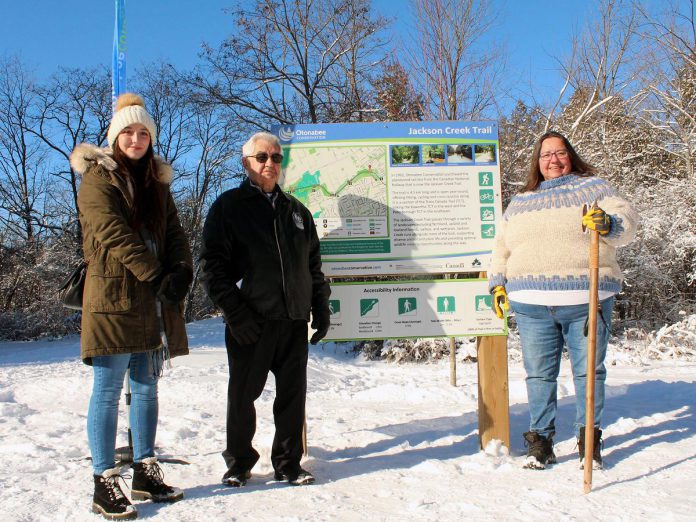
[281,349]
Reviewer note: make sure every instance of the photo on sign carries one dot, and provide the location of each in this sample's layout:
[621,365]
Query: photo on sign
[405,155]
[457,154]
[433,154]
[484,153]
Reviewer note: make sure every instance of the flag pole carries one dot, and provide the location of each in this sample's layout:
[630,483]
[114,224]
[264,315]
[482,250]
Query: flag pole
[124,455]
[118,69]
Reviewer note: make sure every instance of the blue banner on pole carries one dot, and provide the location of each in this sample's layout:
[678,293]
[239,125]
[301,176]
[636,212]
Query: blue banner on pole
[118,72]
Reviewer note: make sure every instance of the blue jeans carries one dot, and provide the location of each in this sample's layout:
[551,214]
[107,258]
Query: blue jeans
[102,417]
[543,332]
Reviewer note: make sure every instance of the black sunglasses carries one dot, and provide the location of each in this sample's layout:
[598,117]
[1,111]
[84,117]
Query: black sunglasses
[262,157]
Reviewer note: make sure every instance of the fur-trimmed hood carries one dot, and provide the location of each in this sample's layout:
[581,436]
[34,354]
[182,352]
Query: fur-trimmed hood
[85,156]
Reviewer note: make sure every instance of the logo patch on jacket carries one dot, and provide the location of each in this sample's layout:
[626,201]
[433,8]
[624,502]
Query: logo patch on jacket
[298,220]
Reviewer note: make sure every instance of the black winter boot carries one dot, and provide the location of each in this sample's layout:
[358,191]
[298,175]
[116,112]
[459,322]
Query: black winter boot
[109,500]
[596,449]
[148,483]
[236,478]
[539,450]
[295,476]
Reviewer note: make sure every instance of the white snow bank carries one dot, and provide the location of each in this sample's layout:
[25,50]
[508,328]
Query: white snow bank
[386,442]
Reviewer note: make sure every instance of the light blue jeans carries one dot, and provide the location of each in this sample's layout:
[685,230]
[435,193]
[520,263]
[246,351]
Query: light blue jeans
[544,330]
[102,416]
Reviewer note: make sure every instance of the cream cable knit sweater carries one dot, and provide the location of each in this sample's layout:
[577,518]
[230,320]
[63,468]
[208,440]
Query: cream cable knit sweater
[541,245]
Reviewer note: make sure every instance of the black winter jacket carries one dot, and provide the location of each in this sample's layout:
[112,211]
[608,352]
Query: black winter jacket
[273,251]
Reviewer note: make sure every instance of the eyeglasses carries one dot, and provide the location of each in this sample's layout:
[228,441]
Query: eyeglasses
[262,157]
[560,154]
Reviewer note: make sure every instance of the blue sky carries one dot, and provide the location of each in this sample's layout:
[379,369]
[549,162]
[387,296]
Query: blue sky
[78,33]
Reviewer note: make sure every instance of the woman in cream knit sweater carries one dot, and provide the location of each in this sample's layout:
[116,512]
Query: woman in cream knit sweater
[540,269]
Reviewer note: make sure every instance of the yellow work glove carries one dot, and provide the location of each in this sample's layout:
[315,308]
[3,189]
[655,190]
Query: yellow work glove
[500,301]
[597,219]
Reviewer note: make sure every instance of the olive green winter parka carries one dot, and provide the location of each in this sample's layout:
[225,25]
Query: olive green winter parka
[119,312]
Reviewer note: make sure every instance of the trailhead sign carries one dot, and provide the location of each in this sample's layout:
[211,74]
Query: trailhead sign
[397,198]
[401,198]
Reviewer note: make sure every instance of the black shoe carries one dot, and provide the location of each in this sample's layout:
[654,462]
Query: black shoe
[148,483]
[236,478]
[109,500]
[296,477]
[596,449]
[539,450]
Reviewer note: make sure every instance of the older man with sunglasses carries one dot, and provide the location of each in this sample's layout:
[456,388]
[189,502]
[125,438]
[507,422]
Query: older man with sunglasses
[261,266]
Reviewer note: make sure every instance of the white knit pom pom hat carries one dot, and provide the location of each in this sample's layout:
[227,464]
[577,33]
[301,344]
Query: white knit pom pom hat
[130,109]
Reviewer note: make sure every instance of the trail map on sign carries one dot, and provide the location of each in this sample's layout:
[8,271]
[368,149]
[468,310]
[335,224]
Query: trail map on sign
[344,188]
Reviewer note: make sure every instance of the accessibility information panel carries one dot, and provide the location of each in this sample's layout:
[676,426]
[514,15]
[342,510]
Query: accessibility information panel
[397,197]
[438,308]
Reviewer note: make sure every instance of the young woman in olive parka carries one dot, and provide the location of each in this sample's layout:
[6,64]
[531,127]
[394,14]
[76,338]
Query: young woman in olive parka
[139,271]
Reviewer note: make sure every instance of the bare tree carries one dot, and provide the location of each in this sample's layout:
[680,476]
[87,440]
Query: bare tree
[601,88]
[170,103]
[353,75]
[287,61]
[395,96]
[450,66]
[25,217]
[22,158]
[603,62]
[605,50]
[671,84]
[71,108]
[212,161]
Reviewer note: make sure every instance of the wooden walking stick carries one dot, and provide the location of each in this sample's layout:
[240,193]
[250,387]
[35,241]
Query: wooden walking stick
[305,447]
[591,357]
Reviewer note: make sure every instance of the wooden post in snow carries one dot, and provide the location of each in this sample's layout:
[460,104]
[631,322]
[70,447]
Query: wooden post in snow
[453,361]
[493,391]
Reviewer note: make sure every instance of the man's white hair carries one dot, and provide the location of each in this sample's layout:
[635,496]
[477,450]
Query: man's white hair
[248,147]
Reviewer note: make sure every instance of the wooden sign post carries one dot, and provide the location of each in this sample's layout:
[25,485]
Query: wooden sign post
[493,391]
[453,361]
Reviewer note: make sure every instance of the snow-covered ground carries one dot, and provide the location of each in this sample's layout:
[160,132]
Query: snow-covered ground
[386,442]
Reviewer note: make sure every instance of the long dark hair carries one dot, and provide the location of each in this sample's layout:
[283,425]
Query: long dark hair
[147,197]
[577,164]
